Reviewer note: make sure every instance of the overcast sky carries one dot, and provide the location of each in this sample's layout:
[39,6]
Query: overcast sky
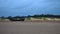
[29,7]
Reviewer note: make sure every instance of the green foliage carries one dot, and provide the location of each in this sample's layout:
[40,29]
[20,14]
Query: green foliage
[28,18]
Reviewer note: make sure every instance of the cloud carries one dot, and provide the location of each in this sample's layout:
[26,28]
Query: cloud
[26,7]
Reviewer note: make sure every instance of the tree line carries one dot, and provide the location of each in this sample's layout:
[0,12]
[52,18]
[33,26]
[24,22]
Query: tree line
[53,16]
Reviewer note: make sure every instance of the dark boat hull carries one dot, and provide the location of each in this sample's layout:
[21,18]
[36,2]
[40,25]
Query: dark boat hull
[15,19]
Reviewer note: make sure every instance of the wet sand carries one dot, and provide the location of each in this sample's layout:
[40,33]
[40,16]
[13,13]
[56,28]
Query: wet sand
[30,27]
